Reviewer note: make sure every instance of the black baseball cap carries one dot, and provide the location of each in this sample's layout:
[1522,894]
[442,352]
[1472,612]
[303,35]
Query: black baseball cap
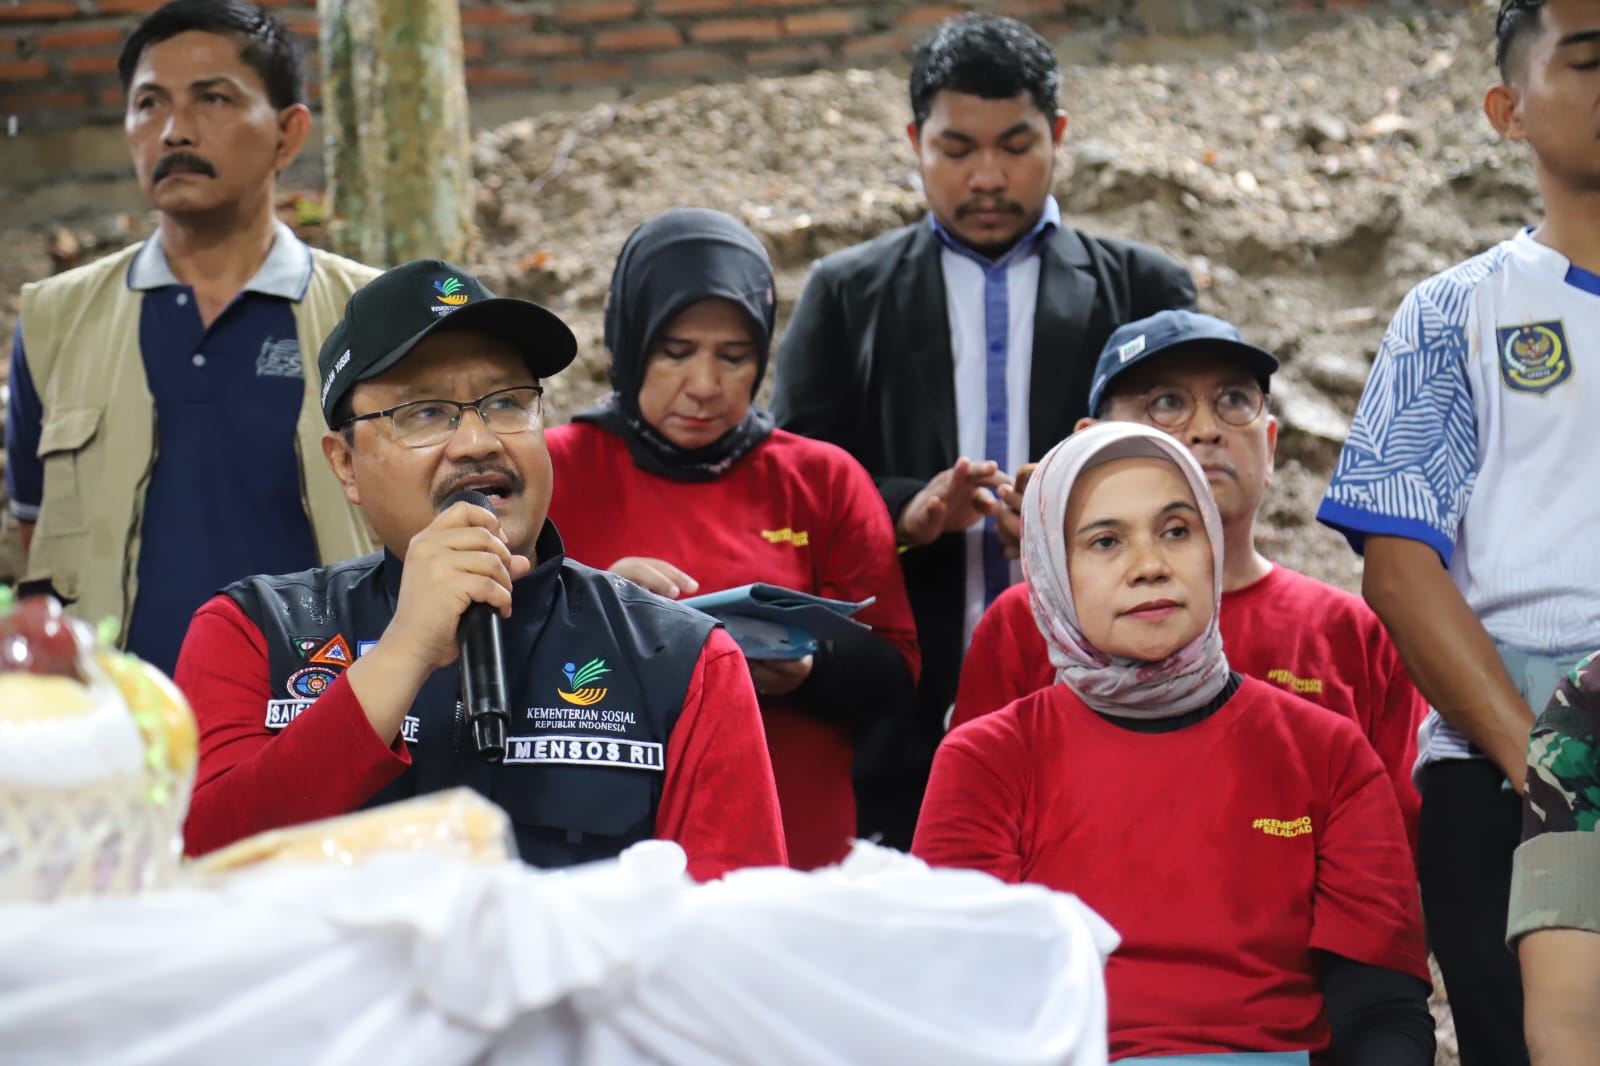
[392,313]
[1166,332]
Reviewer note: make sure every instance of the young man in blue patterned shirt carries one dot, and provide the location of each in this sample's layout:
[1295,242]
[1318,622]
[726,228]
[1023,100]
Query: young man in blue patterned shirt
[1458,482]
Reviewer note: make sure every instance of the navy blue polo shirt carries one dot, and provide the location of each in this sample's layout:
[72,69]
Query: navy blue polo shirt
[224,500]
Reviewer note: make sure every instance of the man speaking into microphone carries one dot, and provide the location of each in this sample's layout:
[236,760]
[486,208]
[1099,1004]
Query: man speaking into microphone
[318,693]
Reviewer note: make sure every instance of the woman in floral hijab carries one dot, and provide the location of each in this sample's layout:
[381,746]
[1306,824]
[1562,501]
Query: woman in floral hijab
[1244,843]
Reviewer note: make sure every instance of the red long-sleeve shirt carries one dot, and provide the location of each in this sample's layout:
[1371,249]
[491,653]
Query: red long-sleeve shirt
[717,800]
[793,512]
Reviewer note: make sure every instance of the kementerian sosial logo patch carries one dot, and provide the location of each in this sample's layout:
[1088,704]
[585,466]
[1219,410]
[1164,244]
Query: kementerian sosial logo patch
[1535,357]
[581,680]
[450,291]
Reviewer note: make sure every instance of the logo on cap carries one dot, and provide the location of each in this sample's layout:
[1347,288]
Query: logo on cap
[1130,349]
[451,291]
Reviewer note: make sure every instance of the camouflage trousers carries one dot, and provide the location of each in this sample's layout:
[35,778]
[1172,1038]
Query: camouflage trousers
[1555,882]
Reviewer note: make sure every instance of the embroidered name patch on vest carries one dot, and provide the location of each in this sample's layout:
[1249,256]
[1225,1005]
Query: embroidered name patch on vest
[1534,358]
[281,712]
[587,751]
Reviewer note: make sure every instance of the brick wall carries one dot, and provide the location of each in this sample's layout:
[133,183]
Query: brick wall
[58,57]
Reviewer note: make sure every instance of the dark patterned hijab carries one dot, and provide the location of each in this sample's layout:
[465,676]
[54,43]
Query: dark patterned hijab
[677,259]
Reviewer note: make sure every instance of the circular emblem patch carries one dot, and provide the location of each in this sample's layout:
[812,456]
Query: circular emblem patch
[309,683]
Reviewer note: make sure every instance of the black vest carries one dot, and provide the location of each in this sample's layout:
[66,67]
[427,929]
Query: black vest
[597,669]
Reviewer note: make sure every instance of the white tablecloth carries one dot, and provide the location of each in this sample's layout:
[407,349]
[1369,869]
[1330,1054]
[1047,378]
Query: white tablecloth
[414,959]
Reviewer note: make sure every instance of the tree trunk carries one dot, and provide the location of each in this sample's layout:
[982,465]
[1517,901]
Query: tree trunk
[397,147]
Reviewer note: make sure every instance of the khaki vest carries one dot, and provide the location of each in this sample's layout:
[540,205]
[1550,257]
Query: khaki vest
[98,442]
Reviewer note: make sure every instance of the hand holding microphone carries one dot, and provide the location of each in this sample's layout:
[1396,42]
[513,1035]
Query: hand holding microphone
[460,561]
[483,670]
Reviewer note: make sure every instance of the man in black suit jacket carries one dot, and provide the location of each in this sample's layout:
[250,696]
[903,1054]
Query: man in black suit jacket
[904,351]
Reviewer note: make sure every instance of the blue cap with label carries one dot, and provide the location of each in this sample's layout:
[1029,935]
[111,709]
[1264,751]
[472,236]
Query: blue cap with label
[1168,332]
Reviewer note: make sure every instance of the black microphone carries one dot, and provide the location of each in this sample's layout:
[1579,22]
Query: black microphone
[483,667]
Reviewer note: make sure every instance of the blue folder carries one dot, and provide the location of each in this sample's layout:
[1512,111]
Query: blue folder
[772,622]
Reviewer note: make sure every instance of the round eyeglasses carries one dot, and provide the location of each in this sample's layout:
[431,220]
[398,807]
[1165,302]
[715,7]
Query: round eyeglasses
[1173,408]
[422,423]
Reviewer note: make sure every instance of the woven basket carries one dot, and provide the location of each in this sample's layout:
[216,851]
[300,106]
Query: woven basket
[102,838]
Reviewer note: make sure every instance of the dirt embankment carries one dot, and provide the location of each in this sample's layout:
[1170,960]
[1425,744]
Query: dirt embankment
[1306,188]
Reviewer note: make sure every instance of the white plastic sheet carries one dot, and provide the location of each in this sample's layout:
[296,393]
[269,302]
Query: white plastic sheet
[414,959]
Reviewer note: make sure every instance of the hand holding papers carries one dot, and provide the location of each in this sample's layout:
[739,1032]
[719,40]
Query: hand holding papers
[770,622]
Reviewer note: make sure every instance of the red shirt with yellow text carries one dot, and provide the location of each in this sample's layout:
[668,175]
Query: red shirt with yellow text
[793,512]
[1227,854]
[1287,629]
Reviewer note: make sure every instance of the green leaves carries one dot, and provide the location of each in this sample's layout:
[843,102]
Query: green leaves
[589,672]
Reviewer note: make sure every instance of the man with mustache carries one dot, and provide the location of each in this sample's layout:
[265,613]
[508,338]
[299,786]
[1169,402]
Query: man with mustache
[163,431]
[1195,377]
[946,353]
[336,688]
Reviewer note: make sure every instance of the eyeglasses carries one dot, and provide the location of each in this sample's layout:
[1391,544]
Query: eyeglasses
[422,423]
[1173,408]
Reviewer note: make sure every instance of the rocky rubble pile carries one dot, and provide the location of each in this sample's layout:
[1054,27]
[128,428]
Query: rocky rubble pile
[1307,188]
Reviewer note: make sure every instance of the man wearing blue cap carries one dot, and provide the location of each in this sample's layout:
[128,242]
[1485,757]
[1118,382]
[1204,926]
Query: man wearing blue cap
[1195,377]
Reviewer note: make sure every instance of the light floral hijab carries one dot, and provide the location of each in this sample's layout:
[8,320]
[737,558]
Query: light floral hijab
[1186,680]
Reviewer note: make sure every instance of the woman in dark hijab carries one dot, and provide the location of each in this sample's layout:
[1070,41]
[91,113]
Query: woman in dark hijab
[677,480]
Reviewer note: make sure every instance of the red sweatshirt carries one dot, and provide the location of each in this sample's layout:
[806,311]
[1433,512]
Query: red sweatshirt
[794,512]
[1290,630]
[1227,854]
[717,799]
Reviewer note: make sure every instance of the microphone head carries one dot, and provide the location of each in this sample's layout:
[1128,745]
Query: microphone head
[489,736]
[472,496]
